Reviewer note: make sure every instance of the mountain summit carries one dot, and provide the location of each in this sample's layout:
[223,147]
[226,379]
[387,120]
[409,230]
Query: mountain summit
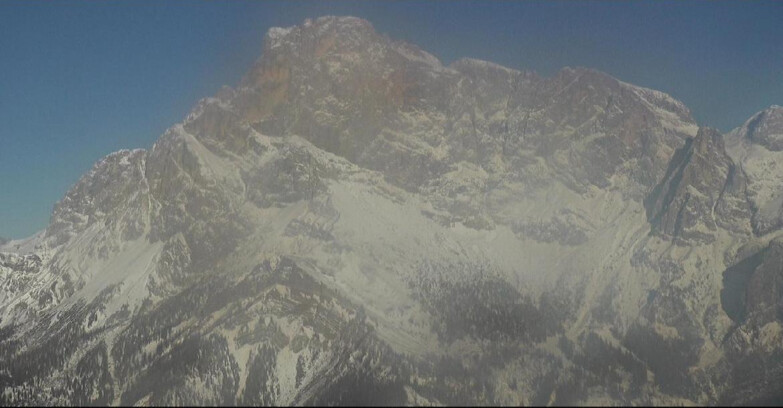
[357,223]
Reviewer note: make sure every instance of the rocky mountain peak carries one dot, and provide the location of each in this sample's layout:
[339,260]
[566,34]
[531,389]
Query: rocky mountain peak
[702,190]
[356,216]
[765,128]
[104,195]
[757,147]
[336,33]
[375,101]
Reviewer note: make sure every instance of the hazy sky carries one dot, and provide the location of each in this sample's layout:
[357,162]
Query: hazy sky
[79,80]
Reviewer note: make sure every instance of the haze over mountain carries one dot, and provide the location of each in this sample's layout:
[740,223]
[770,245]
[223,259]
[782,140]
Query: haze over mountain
[358,223]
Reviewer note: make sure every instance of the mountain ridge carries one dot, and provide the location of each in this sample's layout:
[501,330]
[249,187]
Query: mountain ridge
[354,215]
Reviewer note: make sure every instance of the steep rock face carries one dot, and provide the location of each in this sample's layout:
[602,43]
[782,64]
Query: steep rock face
[702,190]
[394,108]
[757,147]
[753,297]
[358,224]
[16,273]
[764,297]
[753,287]
[599,131]
[350,91]
[114,191]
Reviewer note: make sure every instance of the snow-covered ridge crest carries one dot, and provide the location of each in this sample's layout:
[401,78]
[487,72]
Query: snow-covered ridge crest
[414,53]
[222,101]
[661,99]
[673,112]
[482,64]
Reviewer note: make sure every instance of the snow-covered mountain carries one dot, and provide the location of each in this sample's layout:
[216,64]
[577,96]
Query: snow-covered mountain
[358,223]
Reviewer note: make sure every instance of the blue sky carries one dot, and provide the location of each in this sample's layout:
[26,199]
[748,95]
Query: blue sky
[79,80]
